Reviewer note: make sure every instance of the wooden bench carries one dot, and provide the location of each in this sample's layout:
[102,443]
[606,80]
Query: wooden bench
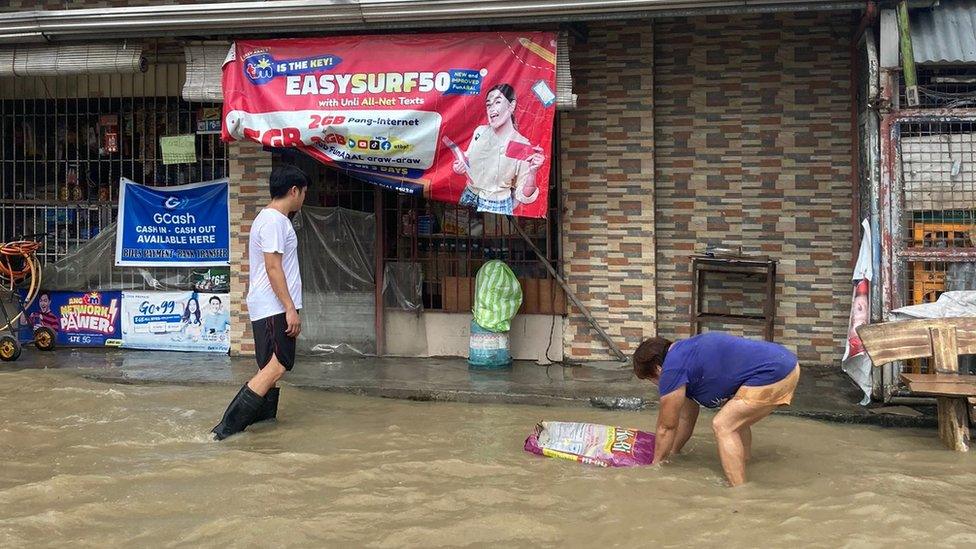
[942,340]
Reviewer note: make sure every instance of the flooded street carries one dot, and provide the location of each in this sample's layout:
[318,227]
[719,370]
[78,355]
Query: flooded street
[94,464]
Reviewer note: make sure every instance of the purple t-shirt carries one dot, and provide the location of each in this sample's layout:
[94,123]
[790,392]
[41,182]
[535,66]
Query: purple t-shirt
[713,366]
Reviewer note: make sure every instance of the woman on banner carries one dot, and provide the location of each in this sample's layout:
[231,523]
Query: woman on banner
[192,325]
[500,163]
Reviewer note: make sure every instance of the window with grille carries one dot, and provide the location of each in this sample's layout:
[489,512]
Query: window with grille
[66,141]
[935,199]
[449,243]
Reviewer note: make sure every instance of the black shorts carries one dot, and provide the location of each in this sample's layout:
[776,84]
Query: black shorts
[270,339]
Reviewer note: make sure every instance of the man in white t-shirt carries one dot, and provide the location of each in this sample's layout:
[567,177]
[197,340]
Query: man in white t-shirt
[274,297]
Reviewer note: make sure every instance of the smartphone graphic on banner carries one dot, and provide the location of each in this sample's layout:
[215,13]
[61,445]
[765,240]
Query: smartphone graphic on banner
[519,151]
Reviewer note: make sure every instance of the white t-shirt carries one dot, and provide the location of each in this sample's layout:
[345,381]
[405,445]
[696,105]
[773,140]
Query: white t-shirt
[271,232]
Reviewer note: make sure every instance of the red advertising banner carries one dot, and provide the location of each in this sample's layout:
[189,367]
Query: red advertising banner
[460,117]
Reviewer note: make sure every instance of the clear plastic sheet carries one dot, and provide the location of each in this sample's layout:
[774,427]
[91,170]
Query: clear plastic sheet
[335,249]
[92,267]
[961,276]
[949,304]
[336,256]
[402,285]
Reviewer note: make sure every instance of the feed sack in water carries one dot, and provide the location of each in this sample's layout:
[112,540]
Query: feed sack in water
[592,444]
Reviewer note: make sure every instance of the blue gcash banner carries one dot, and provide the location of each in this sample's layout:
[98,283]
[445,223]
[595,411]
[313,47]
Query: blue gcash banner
[180,226]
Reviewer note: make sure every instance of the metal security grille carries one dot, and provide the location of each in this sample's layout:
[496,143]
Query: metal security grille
[449,243]
[66,141]
[938,218]
[944,87]
[935,209]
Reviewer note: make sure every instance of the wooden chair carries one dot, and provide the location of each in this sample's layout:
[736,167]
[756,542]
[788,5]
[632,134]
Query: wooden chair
[942,340]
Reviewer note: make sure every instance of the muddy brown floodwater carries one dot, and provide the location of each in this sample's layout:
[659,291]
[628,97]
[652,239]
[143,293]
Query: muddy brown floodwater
[85,463]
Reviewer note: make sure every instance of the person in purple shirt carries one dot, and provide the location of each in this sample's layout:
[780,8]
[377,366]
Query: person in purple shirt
[747,379]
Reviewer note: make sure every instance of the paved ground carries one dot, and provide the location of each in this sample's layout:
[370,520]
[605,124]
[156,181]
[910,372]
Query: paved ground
[823,393]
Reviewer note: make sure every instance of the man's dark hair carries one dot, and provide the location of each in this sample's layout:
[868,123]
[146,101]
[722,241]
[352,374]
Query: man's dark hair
[283,178]
[649,355]
[214,298]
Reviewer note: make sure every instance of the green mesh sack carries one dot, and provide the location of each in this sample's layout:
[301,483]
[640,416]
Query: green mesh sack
[497,296]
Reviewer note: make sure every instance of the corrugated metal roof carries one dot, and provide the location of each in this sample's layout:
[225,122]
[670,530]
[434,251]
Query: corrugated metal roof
[945,34]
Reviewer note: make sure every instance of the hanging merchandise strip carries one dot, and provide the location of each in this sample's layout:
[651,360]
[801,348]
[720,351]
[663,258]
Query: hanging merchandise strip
[465,118]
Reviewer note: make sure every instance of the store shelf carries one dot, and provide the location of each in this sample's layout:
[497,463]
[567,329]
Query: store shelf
[741,266]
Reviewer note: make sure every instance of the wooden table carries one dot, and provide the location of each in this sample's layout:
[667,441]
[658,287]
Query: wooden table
[942,340]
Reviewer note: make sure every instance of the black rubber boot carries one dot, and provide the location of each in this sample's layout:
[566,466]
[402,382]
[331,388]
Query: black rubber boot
[269,410]
[239,414]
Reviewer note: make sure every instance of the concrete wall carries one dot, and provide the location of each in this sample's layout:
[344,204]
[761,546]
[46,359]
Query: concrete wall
[331,319]
[710,130]
[447,334]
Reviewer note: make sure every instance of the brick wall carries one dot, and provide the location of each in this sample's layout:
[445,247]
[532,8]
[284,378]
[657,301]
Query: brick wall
[250,167]
[753,149]
[607,165]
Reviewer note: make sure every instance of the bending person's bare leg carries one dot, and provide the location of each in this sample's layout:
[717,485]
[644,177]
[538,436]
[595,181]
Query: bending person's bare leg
[746,434]
[727,424]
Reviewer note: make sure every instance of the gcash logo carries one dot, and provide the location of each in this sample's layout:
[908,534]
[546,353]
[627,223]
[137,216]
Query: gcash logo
[172,203]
